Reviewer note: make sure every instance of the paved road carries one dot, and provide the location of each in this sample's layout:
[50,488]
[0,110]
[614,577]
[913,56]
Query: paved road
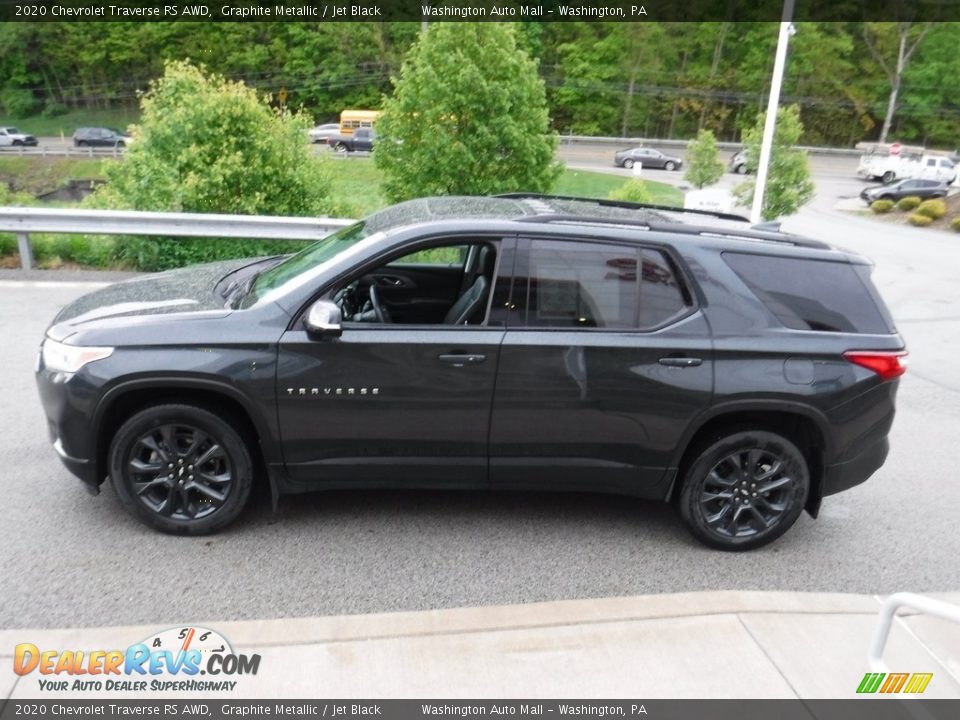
[72,559]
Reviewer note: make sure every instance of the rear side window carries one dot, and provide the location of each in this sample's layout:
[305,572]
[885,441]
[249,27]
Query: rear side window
[591,285]
[806,294]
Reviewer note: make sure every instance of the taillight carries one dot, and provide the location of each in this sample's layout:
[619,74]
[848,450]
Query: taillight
[888,365]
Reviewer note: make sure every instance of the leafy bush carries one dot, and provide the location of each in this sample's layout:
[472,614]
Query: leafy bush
[53,109]
[881,206]
[167,253]
[632,190]
[933,209]
[468,116]
[919,220]
[206,144]
[18,102]
[8,244]
[955,224]
[911,202]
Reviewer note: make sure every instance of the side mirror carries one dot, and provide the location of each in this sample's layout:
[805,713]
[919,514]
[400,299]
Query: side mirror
[323,319]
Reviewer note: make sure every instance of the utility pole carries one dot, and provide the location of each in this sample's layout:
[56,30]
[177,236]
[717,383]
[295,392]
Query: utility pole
[770,126]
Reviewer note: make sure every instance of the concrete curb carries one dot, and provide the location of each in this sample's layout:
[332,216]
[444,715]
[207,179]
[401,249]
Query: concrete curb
[310,630]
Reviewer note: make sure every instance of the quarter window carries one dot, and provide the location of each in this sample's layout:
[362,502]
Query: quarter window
[591,285]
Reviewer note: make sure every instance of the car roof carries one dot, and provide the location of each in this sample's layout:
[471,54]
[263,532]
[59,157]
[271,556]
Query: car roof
[559,210]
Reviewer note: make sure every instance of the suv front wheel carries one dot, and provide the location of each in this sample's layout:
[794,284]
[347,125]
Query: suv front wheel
[744,490]
[181,469]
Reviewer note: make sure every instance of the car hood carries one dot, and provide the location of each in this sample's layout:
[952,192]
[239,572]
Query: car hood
[176,291]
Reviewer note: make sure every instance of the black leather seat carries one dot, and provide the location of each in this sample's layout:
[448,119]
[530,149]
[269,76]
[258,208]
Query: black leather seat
[475,297]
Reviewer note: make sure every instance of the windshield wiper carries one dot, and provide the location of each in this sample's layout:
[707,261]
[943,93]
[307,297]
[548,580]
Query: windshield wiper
[236,291]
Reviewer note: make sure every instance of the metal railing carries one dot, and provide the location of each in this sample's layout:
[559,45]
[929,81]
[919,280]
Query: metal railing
[23,221]
[888,610]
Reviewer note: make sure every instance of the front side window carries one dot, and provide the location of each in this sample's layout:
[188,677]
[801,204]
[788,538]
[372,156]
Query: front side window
[591,285]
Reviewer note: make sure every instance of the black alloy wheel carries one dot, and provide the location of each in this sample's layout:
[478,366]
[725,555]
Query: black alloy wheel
[745,490]
[181,469]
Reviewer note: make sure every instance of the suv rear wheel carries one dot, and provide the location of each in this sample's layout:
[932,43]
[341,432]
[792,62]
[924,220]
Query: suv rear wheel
[744,490]
[181,469]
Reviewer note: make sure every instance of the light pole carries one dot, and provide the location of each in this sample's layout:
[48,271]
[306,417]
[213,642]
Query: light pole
[770,126]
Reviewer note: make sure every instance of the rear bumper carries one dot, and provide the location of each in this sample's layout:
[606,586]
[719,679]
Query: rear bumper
[843,476]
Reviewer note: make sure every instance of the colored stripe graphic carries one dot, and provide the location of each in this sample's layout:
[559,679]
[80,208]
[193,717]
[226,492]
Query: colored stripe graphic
[894,683]
[870,682]
[918,683]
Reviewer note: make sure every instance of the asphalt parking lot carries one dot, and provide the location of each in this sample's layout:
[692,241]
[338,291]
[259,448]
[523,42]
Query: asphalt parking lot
[69,559]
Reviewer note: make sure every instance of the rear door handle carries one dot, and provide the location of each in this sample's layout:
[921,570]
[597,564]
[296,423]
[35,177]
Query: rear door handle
[681,362]
[461,359]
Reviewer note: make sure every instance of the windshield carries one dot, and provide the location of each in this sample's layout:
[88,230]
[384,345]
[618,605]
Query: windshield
[12,131]
[305,260]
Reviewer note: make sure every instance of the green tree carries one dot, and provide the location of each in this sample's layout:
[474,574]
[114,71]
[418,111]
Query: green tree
[704,166]
[788,178]
[205,144]
[468,116]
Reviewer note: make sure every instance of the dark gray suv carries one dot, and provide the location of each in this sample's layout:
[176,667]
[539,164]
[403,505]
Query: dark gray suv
[519,342]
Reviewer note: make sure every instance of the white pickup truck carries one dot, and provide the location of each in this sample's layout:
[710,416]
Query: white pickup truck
[10,136]
[896,162]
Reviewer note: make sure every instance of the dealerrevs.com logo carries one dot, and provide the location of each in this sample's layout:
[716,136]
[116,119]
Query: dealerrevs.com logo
[174,660]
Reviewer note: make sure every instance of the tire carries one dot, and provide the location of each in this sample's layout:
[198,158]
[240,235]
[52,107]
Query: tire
[740,169]
[18,143]
[725,476]
[888,177]
[628,164]
[670,166]
[121,144]
[340,148]
[181,507]
[80,143]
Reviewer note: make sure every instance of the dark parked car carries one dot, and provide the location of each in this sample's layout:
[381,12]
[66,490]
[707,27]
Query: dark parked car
[520,342]
[924,189]
[648,157]
[99,137]
[361,140]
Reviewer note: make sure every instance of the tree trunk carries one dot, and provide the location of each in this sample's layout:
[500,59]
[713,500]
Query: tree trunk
[894,88]
[676,99]
[631,87]
[714,66]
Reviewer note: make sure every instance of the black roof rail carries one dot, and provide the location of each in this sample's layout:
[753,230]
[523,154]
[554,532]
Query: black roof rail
[754,233]
[620,204]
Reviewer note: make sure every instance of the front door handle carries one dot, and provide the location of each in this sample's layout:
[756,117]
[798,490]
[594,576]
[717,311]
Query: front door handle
[461,359]
[682,362]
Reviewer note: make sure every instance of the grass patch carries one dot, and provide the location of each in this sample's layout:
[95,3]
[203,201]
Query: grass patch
[599,185]
[36,175]
[65,124]
[356,182]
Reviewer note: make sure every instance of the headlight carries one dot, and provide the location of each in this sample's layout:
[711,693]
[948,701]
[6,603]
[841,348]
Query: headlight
[70,358]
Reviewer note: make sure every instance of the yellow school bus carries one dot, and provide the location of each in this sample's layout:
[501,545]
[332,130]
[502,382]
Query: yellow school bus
[350,120]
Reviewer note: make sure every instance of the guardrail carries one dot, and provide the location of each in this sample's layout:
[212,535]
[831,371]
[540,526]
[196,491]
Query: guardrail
[23,221]
[889,609]
[69,151]
[659,142]
[62,151]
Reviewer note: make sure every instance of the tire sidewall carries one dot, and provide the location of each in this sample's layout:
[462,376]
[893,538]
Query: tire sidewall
[711,454]
[217,428]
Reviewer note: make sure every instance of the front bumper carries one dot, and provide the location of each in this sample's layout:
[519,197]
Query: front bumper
[65,402]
